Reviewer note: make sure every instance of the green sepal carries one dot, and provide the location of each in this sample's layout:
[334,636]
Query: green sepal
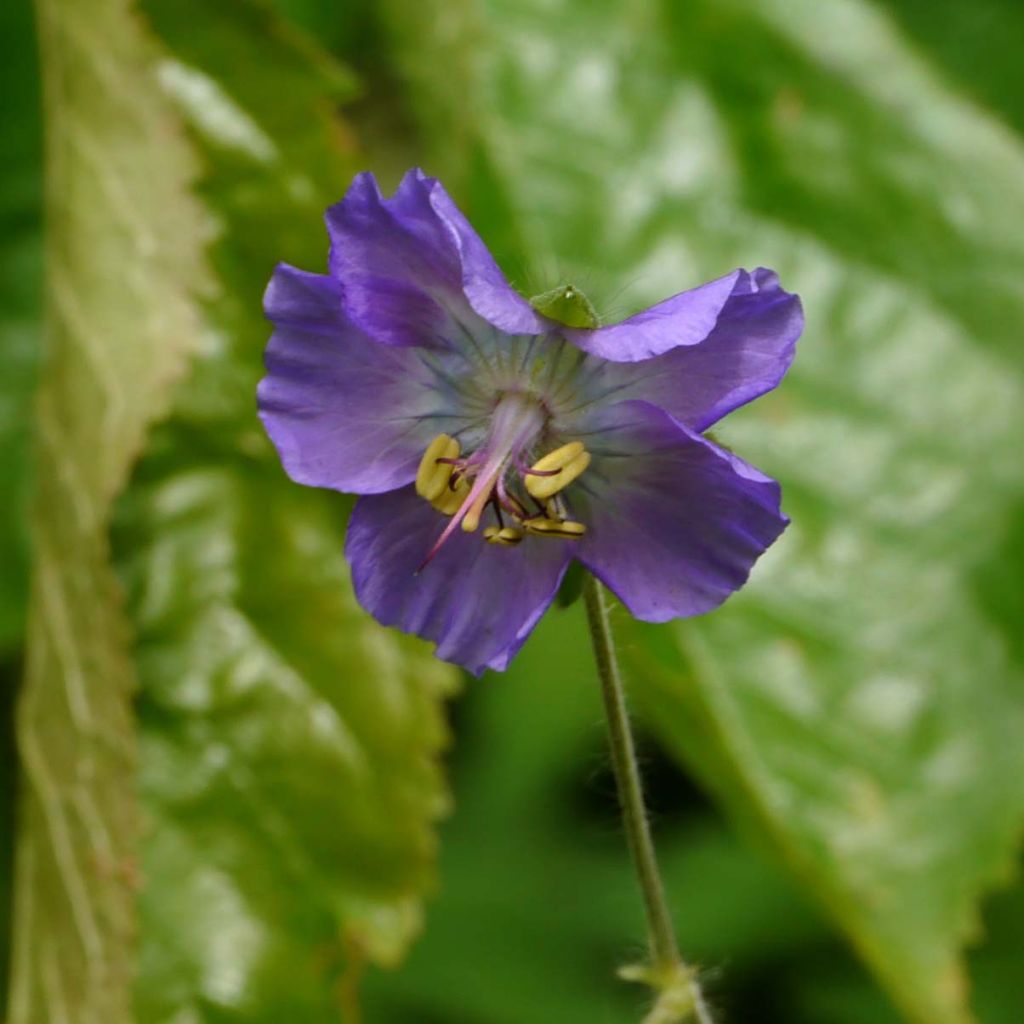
[567,305]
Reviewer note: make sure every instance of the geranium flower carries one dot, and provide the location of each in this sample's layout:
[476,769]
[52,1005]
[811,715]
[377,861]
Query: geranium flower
[491,444]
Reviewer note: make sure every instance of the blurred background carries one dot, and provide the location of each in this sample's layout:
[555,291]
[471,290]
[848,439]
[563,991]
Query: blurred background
[835,761]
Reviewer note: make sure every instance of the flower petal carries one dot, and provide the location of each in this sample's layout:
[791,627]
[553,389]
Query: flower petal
[685,320]
[413,270]
[674,523]
[477,601]
[745,355]
[486,287]
[343,410]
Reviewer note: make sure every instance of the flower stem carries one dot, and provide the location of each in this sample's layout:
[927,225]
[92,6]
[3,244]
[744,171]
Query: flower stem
[666,970]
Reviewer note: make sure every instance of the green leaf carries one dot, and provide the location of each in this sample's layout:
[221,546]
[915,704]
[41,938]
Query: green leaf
[21,278]
[286,752]
[122,252]
[857,705]
[289,744]
[20,299]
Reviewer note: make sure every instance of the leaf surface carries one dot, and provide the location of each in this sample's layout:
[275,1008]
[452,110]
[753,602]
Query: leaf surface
[123,246]
[288,744]
[20,316]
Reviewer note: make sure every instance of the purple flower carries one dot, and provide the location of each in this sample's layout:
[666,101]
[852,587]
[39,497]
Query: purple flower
[492,445]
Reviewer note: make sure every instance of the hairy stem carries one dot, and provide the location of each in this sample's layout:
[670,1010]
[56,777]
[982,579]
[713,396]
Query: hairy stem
[666,967]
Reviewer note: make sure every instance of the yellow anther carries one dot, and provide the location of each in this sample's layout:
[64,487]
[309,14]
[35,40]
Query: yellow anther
[471,520]
[432,477]
[544,527]
[506,537]
[451,500]
[559,467]
[559,457]
[556,508]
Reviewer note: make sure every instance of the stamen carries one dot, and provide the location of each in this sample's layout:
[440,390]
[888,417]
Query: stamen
[435,469]
[471,520]
[477,498]
[509,502]
[543,527]
[453,497]
[516,420]
[556,508]
[506,537]
[556,470]
[558,458]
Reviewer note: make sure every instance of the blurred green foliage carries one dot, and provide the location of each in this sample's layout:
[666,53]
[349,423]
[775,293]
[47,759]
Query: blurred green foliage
[855,713]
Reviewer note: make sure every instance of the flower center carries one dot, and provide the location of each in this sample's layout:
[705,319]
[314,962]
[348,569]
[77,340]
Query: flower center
[525,499]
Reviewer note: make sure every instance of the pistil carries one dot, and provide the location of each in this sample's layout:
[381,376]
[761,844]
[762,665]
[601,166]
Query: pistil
[462,487]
